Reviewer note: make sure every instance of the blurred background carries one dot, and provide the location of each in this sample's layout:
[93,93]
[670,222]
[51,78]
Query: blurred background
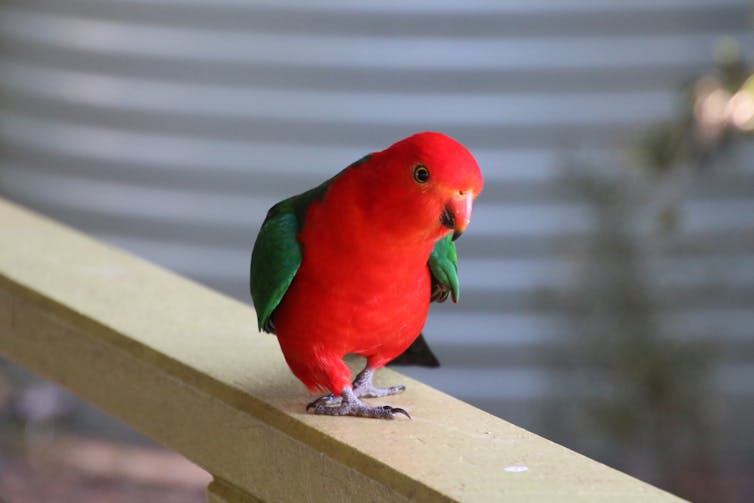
[607,276]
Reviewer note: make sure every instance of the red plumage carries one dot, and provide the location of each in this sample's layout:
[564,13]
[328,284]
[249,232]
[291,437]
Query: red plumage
[363,286]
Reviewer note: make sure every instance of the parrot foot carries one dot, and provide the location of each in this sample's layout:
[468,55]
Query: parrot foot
[326,401]
[350,405]
[363,387]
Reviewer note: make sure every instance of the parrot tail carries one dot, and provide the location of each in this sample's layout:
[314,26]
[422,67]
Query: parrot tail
[418,353]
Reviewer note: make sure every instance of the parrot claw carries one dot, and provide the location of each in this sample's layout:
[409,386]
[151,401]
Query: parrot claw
[350,405]
[397,410]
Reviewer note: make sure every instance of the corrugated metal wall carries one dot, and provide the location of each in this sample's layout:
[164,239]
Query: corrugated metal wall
[168,127]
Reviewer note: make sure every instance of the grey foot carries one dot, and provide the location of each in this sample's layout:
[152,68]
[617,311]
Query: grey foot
[363,387]
[350,405]
[326,401]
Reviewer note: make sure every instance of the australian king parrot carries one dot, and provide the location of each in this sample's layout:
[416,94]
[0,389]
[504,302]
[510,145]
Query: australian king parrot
[352,265]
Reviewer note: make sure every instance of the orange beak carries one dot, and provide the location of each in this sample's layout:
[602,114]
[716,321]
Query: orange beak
[457,212]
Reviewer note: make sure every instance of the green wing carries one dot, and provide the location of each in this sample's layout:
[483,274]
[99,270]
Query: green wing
[276,256]
[443,263]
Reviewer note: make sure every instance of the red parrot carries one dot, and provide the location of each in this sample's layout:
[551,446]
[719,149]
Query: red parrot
[352,265]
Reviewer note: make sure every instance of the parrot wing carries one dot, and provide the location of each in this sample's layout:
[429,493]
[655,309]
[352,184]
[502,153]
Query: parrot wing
[276,256]
[443,264]
[277,253]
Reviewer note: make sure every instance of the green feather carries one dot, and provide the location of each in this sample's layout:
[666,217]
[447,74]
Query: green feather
[277,253]
[443,263]
[276,256]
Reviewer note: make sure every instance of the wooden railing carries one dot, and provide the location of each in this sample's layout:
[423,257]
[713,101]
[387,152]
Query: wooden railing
[187,367]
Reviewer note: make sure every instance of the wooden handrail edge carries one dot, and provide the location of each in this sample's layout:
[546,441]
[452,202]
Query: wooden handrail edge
[202,350]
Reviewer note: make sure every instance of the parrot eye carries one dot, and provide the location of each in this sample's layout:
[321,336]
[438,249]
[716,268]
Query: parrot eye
[421,174]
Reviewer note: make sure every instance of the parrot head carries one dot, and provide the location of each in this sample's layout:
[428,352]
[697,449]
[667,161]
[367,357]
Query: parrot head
[427,182]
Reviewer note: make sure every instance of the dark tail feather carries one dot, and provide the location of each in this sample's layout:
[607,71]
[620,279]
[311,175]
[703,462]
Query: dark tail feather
[419,354]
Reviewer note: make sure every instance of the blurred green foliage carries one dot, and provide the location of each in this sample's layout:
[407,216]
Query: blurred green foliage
[716,112]
[644,398]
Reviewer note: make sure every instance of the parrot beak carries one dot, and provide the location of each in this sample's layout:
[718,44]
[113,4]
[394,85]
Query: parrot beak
[457,213]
